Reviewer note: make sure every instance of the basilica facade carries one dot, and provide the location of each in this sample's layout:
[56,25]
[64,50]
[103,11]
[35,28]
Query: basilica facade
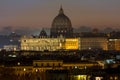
[61,29]
[49,44]
[61,38]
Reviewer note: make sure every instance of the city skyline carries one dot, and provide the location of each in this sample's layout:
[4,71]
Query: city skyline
[38,14]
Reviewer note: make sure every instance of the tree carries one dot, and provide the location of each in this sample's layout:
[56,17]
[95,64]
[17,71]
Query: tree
[7,74]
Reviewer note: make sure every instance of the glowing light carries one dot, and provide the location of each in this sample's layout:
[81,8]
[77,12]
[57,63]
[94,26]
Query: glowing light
[24,69]
[18,63]
[36,70]
[98,78]
[81,77]
[71,44]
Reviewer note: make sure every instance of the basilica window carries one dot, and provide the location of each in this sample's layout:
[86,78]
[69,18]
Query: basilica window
[48,65]
[24,41]
[41,64]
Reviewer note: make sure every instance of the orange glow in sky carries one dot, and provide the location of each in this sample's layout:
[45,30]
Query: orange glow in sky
[40,13]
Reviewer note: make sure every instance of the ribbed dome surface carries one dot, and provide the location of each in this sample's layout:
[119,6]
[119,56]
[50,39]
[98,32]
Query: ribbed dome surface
[61,21]
[61,25]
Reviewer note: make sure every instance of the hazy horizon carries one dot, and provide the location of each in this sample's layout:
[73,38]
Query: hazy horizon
[40,13]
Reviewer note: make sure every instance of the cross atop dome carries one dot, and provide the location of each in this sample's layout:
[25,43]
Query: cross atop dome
[61,10]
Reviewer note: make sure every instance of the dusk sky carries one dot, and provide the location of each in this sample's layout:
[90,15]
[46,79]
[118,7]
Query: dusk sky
[40,13]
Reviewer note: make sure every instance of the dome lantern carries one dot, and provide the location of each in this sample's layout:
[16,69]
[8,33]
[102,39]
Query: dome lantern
[61,11]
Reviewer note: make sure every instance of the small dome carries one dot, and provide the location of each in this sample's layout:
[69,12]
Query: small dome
[43,33]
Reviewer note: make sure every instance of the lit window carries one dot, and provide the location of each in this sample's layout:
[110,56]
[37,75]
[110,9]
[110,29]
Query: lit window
[36,70]
[24,69]
[24,40]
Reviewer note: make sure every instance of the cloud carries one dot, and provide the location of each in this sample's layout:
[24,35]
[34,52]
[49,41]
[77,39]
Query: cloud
[6,30]
[22,30]
[83,29]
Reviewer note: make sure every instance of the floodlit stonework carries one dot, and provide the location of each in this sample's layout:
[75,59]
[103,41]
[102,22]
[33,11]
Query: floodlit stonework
[41,44]
[91,43]
[49,44]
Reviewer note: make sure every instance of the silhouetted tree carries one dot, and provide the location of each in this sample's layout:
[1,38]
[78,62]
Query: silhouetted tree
[7,74]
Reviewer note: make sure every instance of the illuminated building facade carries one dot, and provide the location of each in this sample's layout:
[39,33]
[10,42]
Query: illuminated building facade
[55,44]
[41,44]
[90,43]
[114,44]
[72,44]
[58,70]
[11,47]
[61,38]
[48,64]
[49,44]
[44,65]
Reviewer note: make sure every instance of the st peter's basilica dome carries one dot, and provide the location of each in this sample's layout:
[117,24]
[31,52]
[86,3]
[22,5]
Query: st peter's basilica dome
[61,25]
